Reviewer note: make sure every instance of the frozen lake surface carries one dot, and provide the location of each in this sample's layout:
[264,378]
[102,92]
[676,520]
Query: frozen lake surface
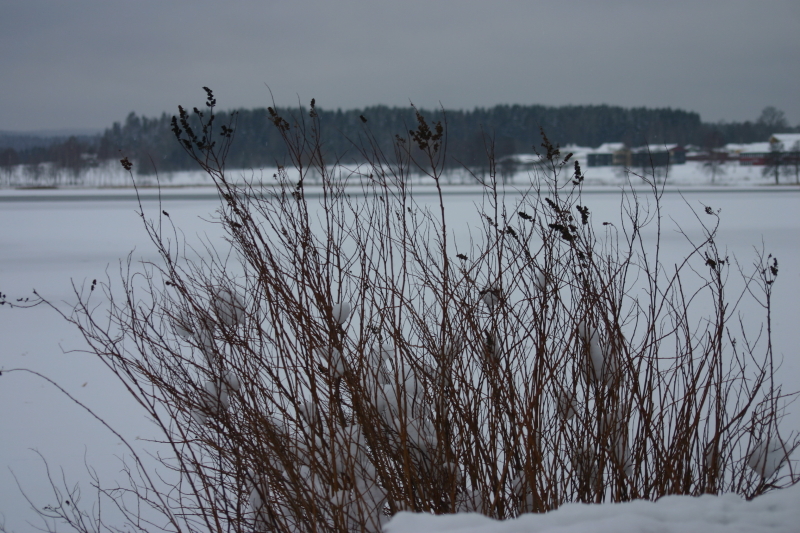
[48,245]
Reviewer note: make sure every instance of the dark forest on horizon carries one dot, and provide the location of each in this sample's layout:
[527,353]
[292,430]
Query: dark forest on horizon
[508,129]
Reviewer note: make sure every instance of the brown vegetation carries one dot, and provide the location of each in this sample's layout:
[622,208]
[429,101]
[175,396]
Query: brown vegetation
[340,358]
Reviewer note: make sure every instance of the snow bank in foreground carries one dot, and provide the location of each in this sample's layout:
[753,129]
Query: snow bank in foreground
[778,511]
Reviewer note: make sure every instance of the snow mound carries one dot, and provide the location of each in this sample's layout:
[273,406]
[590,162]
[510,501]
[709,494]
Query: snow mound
[778,511]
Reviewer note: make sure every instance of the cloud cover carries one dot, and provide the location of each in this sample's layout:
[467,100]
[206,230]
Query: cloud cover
[87,63]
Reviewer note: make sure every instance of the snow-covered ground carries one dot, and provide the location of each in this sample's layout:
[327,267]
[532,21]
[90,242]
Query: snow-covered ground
[50,239]
[111,175]
[776,512]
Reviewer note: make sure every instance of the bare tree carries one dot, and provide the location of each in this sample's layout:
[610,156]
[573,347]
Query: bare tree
[774,119]
[793,161]
[715,157]
[774,161]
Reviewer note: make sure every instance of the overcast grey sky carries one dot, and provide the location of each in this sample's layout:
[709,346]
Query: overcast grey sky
[87,63]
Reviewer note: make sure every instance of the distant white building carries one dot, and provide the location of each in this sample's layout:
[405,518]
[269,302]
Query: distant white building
[610,148]
[788,140]
[617,154]
[608,154]
[758,154]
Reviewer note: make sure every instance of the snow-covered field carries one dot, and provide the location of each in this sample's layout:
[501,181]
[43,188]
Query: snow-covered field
[51,239]
[111,175]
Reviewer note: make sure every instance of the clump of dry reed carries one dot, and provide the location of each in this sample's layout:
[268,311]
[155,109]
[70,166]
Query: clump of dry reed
[341,357]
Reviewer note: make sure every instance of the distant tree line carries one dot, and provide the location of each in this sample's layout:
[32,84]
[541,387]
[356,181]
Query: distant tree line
[508,129]
[73,153]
